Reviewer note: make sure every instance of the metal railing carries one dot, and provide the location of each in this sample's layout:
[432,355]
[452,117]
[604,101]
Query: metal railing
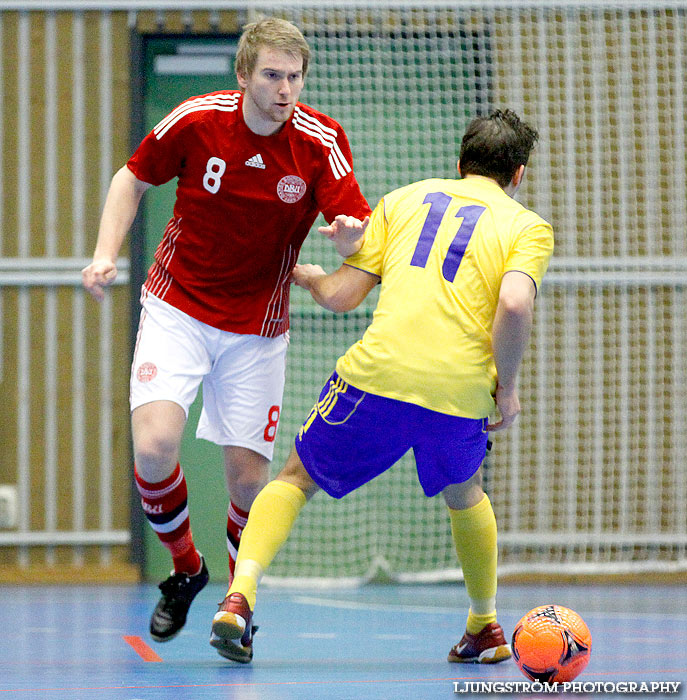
[25,274]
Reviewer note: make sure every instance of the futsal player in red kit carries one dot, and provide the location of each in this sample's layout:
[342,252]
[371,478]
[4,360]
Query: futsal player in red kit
[255,167]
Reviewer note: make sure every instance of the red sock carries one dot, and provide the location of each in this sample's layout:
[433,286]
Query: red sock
[236,521]
[165,506]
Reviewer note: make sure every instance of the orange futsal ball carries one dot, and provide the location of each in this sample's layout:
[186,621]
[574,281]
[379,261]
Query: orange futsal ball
[551,644]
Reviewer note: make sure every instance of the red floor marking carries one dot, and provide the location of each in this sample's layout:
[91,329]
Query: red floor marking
[142,649]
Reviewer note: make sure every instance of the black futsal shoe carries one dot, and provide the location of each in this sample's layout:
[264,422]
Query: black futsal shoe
[178,592]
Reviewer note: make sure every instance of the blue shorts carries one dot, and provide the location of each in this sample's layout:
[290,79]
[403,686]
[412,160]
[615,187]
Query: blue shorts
[352,436]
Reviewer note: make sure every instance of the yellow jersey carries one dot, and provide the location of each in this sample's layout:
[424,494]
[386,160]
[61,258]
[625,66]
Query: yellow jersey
[441,248]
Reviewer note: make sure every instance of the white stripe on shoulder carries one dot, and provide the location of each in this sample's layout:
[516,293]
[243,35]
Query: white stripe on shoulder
[202,108]
[337,160]
[313,121]
[341,159]
[218,99]
[204,99]
[166,124]
[336,168]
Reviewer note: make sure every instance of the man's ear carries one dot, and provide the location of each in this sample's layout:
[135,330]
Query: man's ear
[517,177]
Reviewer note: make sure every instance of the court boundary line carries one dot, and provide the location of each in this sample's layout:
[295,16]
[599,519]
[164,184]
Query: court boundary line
[385,607]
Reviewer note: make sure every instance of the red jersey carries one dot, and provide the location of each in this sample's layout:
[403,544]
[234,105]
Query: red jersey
[244,205]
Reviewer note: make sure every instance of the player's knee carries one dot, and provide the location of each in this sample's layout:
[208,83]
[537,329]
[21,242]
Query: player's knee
[157,428]
[295,473]
[156,453]
[247,473]
[246,484]
[302,481]
[464,495]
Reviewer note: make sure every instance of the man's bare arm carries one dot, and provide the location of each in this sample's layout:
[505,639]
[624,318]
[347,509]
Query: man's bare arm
[510,337]
[119,211]
[342,290]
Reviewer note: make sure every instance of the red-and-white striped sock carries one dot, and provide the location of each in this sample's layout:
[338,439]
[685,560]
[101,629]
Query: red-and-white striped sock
[236,521]
[166,507]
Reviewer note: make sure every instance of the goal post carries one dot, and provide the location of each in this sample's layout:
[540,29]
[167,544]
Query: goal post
[593,477]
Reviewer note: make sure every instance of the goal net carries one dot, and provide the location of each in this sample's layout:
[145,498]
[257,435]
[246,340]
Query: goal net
[593,477]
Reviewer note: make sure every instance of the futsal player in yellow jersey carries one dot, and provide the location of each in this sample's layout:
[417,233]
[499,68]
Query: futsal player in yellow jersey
[459,262]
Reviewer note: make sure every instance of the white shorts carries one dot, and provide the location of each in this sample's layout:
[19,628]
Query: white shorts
[242,375]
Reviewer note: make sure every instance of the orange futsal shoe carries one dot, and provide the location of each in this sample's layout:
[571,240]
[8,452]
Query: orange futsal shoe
[234,622]
[487,647]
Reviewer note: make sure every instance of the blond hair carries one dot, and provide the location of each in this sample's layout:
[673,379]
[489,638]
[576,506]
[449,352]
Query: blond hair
[273,33]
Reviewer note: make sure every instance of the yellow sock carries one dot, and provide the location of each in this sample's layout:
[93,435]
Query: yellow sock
[271,519]
[477,622]
[474,537]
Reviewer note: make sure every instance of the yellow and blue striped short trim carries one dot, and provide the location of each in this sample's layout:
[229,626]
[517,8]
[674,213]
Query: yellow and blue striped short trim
[324,407]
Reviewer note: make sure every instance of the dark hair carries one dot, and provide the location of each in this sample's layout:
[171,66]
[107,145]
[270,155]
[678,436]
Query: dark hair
[496,146]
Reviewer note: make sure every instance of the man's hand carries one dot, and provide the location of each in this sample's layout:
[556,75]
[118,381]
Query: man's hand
[347,233]
[303,275]
[100,273]
[339,291]
[509,406]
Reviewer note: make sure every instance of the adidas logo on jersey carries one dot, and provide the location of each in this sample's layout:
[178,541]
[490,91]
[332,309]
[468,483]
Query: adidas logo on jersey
[256,162]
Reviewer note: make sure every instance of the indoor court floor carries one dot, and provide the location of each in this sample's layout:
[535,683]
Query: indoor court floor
[380,641]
